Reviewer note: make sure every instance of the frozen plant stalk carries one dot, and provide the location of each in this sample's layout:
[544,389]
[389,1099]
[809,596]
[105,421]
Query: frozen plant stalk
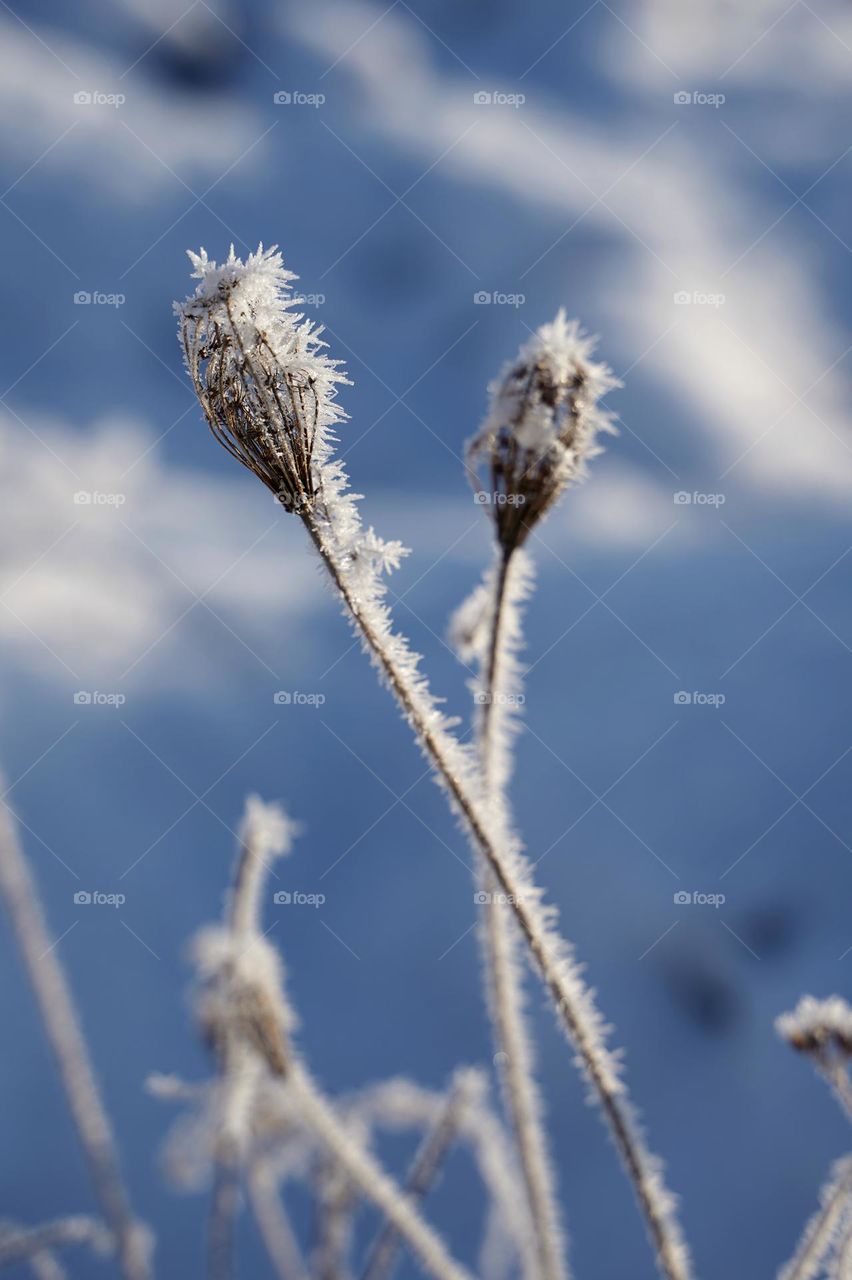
[268,390]
[246,1017]
[541,427]
[131,1239]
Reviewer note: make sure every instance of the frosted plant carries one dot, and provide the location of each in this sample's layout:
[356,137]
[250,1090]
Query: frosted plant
[822,1030]
[130,1239]
[542,426]
[19,1244]
[425,1168]
[509,1237]
[541,429]
[823,1232]
[268,391]
[841,1264]
[264,1087]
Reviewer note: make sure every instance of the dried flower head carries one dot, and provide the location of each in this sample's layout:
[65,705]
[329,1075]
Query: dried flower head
[818,1026]
[541,428]
[259,370]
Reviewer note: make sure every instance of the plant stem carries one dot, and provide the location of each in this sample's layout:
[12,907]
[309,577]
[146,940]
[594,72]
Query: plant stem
[504,975]
[69,1047]
[421,1178]
[577,1016]
[274,1225]
[369,1178]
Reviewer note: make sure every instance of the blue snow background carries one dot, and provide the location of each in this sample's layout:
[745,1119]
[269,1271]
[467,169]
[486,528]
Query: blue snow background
[398,198]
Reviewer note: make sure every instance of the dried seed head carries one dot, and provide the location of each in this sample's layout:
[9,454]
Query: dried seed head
[260,373]
[541,428]
[817,1026]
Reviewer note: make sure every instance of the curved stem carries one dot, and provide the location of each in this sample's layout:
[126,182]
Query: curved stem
[274,1225]
[421,1178]
[69,1047]
[576,1015]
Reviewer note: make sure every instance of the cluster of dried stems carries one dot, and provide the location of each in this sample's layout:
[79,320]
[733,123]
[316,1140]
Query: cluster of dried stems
[267,390]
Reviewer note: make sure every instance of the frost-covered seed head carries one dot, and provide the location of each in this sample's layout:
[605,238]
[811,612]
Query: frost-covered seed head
[239,1003]
[541,428]
[259,370]
[815,1026]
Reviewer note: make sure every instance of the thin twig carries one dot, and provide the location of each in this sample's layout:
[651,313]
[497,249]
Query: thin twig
[274,1225]
[821,1231]
[69,1047]
[18,1243]
[422,1175]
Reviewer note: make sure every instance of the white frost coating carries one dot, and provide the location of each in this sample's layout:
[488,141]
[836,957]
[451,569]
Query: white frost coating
[134,1243]
[399,1104]
[814,1023]
[266,833]
[520,401]
[370,1179]
[329,512]
[499,689]
[18,1243]
[495,643]
[246,1015]
[542,427]
[841,1264]
[821,1233]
